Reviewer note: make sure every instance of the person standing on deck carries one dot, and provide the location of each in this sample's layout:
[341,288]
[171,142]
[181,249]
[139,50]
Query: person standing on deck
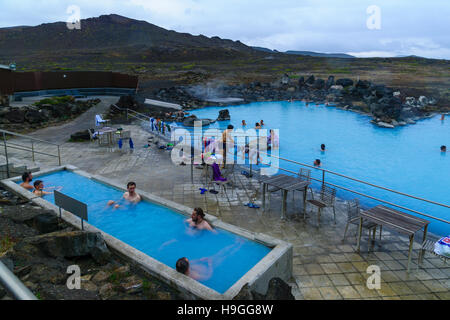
[227,140]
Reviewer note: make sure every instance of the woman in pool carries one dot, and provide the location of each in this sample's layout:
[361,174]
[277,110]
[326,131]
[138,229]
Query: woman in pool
[244,123]
[257,126]
[39,188]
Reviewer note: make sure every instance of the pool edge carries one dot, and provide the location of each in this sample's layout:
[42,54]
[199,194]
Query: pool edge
[277,263]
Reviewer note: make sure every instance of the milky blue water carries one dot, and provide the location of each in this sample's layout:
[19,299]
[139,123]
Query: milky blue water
[406,159]
[160,232]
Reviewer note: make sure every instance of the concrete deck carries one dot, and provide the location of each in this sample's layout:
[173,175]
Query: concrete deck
[324,266]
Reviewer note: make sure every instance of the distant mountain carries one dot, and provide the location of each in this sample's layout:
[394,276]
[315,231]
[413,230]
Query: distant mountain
[115,34]
[317,54]
[307,53]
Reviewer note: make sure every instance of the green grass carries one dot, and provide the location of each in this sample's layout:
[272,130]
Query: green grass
[188,66]
[54,100]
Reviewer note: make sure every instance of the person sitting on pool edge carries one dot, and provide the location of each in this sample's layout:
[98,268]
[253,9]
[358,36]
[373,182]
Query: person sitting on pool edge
[38,188]
[317,163]
[131,195]
[27,177]
[198,221]
[443,149]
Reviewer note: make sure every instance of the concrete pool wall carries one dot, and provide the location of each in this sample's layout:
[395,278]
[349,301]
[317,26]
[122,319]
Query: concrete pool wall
[277,263]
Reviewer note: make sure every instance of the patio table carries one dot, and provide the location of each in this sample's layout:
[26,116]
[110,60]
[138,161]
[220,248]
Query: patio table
[286,183]
[396,220]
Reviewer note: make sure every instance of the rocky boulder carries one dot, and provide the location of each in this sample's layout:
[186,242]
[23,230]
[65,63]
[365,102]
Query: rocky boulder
[345,82]
[310,81]
[35,116]
[72,244]
[223,115]
[277,290]
[15,115]
[319,84]
[190,121]
[81,136]
[330,82]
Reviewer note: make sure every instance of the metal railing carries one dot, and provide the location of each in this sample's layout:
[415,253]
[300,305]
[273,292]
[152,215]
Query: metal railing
[146,121]
[323,181]
[13,285]
[31,148]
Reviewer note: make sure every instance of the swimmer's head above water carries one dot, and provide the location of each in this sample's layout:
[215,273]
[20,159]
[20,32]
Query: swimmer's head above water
[198,215]
[182,265]
[131,187]
[443,149]
[27,176]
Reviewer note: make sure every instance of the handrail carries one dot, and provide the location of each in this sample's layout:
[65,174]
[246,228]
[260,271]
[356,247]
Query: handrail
[25,148]
[27,137]
[13,285]
[367,196]
[361,181]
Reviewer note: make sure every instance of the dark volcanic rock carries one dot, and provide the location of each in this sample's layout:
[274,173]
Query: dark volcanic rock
[45,223]
[81,136]
[16,115]
[330,82]
[35,116]
[345,82]
[311,79]
[223,115]
[277,290]
[319,84]
[72,244]
[301,81]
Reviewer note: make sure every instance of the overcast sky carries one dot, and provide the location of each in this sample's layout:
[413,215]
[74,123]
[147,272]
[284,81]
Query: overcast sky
[406,27]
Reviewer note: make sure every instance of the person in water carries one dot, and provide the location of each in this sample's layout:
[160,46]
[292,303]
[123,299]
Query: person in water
[27,177]
[202,269]
[257,125]
[322,147]
[39,188]
[317,163]
[198,221]
[130,195]
[244,123]
[443,149]
[195,269]
[262,123]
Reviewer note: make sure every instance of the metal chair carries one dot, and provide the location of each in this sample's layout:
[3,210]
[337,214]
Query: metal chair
[304,175]
[353,217]
[428,246]
[326,199]
[223,184]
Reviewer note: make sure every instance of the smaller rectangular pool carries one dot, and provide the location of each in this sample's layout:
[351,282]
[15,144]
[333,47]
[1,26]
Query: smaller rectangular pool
[162,233]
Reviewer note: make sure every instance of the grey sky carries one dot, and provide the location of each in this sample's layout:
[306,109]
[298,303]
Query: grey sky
[407,26]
